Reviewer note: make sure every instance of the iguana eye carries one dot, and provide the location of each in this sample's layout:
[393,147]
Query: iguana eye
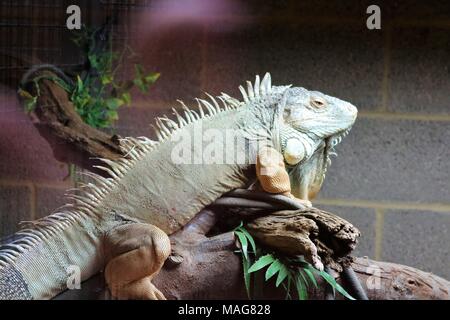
[318,102]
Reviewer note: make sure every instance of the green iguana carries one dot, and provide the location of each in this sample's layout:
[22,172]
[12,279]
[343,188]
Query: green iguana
[121,224]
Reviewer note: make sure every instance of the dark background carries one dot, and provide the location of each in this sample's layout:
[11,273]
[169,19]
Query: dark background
[391,178]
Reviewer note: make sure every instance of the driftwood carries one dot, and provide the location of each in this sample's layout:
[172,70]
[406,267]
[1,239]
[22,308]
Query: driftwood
[208,267]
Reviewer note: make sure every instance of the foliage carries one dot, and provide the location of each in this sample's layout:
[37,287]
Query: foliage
[98,93]
[292,273]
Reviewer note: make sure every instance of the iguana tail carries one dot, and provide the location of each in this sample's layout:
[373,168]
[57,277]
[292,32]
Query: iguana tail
[54,254]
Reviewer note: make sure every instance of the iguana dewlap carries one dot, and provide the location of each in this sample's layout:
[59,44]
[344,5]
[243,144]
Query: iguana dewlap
[121,223]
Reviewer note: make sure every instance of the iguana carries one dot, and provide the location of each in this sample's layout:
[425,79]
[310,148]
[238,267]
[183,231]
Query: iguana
[120,223]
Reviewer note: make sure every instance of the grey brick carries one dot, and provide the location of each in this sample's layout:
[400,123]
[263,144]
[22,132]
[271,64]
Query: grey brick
[136,122]
[418,239]
[396,160]
[364,220]
[176,54]
[14,207]
[341,60]
[420,71]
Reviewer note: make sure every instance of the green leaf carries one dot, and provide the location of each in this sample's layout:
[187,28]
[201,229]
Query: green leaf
[273,269]
[79,84]
[239,226]
[244,243]
[151,77]
[330,279]
[106,79]
[114,103]
[261,263]
[305,281]
[282,274]
[126,97]
[288,287]
[301,290]
[249,237]
[311,276]
[247,275]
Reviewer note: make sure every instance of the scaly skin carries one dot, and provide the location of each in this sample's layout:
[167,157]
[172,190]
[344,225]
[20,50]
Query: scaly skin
[122,223]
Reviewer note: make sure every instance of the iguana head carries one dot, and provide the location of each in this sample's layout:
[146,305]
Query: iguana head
[305,126]
[312,120]
[311,125]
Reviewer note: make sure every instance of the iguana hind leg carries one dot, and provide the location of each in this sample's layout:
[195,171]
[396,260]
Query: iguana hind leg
[136,252]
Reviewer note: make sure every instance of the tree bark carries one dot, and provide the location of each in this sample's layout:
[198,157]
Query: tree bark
[208,267]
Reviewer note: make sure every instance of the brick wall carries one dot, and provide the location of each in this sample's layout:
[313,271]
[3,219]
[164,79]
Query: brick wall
[391,178]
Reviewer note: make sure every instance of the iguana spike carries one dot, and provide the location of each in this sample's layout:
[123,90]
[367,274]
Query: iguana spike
[244,94]
[211,109]
[114,165]
[200,109]
[195,115]
[82,201]
[213,100]
[232,101]
[107,170]
[225,104]
[215,107]
[257,84]
[126,164]
[170,122]
[266,84]
[158,134]
[251,93]
[95,189]
[262,88]
[180,119]
[163,127]
[97,178]
[187,112]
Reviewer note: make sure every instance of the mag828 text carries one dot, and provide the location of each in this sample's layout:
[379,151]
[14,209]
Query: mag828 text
[246,309]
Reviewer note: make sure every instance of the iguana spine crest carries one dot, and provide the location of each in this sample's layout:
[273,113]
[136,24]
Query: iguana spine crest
[90,194]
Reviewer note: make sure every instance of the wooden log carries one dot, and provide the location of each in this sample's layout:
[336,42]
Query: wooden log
[211,269]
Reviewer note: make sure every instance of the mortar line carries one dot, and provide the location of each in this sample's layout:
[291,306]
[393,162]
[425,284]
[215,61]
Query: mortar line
[395,205]
[384,115]
[379,224]
[21,183]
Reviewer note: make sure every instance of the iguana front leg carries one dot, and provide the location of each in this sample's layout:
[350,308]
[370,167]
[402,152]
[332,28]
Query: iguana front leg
[136,252]
[273,177]
[272,174]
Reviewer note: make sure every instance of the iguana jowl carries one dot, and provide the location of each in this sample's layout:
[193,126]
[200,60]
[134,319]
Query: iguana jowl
[121,223]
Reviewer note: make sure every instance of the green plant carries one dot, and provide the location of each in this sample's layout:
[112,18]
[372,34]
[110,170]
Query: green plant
[288,272]
[98,93]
